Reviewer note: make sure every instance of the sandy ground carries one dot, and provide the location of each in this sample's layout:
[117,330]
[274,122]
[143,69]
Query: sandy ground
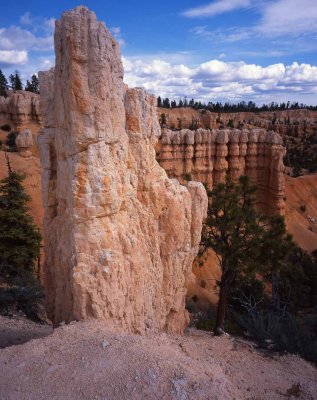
[86,360]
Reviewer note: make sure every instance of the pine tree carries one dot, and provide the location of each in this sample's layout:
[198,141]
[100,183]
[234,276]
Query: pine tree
[34,85]
[163,120]
[159,101]
[166,103]
[16,82]
[245,241]
[3,84]
[19,236]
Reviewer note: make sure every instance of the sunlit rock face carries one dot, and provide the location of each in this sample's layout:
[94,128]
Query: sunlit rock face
[120,236]
[21,108]
[209,155]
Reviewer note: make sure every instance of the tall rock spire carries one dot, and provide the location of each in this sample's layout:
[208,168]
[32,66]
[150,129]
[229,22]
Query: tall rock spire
[120,236]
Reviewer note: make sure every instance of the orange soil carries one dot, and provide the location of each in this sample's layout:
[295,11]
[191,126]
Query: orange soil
[302,191]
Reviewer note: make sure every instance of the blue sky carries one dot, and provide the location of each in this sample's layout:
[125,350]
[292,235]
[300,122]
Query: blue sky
[228,50]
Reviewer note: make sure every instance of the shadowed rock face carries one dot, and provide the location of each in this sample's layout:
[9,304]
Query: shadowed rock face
[209,155]
[120,236]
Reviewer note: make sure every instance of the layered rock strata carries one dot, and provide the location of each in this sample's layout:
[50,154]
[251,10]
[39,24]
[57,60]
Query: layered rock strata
[120,236]
[209,155]
[296,123]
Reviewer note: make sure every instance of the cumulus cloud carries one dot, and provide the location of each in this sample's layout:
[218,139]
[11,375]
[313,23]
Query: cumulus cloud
[216,8]
[219,80]
[16,38]
[13,57]
[34,34]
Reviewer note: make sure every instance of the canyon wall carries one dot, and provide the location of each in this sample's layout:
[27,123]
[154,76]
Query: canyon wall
[209,155]
[295,123]
[120,236]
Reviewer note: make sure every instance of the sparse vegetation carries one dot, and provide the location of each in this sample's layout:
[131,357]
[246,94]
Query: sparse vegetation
[231,107]
[163,120]
[10,142]
[187,177]
[301,153]
[302,208]
[245,241]
[3,84]
[34,85]
[16,81]
[6,128]
[20,243]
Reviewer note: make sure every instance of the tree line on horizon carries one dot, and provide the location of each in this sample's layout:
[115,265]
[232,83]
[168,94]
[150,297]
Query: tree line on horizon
[32,85]
[226,107]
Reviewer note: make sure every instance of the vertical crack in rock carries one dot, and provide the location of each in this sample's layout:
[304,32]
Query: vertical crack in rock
[120,236]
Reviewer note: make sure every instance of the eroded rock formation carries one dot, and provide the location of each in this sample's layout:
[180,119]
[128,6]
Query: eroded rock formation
[21,108]
[296,123]
[120,236]
[24,143]
[209,155]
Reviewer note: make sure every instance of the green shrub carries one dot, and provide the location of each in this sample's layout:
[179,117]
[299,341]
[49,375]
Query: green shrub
[6,128]
[11,140]
[187,177]
[282,333]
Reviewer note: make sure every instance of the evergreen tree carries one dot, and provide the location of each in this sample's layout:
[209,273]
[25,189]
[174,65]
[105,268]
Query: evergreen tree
[3,84]
[163,120]
[34,85]
[19,236]
[173,104]
[245,241]
[16,82]
[166,103]
[159,101]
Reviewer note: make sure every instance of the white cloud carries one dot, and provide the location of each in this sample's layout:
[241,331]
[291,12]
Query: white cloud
[16,38]
[117,34]
[285,17]
[278,18]
[38,24]
[225,81]
[36,35]
[216,8]
[13,57]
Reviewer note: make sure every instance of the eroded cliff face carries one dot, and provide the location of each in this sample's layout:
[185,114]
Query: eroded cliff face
[209,155]
[120,236]
[21,108]
[294,123]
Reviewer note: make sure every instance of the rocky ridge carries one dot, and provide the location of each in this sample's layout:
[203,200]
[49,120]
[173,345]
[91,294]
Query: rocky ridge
[294,123]
[120,236]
